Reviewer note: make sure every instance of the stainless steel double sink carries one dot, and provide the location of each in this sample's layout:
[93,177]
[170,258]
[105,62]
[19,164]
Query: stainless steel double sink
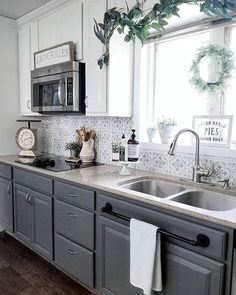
[192,197]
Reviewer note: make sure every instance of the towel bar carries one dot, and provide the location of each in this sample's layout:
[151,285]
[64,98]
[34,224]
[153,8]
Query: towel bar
[201,239]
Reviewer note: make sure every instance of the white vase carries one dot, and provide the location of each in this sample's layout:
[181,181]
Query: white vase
[87,153]
[166,134]
[151,132]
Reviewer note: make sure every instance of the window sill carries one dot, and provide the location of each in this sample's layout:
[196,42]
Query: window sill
[183,149]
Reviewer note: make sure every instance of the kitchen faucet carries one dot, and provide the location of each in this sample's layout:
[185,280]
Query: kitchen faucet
[198,172]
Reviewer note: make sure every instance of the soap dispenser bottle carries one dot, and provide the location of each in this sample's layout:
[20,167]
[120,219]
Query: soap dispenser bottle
[133,148]
[123,150]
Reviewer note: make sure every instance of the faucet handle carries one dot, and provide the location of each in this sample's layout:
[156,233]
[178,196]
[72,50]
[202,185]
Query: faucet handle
[226,184]
[208,172]
[211,170]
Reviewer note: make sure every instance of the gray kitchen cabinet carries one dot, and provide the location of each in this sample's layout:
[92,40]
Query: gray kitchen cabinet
[33,219]
[75,260]
[22,214]
[184,270]
[34,181]
[74,231]
[6,201]
[74,195]
[42,223]
[113,258]
[5,171]
[74,223]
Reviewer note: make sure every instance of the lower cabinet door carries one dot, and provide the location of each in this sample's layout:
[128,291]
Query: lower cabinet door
[42,232]
[22,213]
[75,260]
[6,201]
[113,257]
[186,272]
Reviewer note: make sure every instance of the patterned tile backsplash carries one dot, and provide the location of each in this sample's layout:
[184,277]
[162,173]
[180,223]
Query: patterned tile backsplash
[61,129]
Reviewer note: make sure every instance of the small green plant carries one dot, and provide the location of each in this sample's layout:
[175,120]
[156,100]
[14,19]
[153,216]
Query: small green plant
[166,122]
[115,147]
[73,146]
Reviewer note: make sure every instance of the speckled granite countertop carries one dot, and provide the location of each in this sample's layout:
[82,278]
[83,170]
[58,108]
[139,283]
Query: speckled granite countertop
[107,179]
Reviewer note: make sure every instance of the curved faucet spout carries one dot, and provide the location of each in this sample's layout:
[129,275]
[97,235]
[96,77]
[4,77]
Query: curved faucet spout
[174,143]
[198,172]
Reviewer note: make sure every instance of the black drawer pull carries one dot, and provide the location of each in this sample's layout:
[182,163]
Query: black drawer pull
[201,239]
[71,252]
[72,215]
[72,195]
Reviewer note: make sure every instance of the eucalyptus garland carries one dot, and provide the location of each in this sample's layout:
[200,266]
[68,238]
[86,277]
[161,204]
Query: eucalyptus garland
[135,23]
[226,63]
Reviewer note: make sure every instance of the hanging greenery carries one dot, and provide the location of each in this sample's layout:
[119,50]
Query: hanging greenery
[225,64]
[135,23]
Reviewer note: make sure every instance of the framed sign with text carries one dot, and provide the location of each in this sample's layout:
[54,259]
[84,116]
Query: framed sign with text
[54,55]
[214,131]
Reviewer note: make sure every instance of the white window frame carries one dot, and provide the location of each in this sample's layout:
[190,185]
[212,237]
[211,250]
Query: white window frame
[138,111]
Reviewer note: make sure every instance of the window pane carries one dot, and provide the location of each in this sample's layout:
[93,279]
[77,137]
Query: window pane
[174,96]
[166,91]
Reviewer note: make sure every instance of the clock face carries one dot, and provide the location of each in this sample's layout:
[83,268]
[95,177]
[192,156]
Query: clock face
[25,139]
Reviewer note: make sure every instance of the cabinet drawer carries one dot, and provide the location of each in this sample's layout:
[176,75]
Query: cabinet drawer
[75,260]
[74,194]
[34,181]
[5,171]
[166,221]
[74,223]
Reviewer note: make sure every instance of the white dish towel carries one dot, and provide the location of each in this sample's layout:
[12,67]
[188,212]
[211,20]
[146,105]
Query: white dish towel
[145,256]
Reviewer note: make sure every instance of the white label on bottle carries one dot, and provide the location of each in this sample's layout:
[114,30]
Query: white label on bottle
[133,151]
[115,156]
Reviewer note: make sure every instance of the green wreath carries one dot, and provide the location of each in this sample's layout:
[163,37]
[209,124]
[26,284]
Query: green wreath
[225,59]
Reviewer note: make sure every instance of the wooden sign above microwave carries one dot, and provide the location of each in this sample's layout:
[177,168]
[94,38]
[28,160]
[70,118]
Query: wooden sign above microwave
[54,55]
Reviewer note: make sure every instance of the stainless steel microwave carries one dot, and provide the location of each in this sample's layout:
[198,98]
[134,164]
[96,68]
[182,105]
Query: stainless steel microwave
[59,88]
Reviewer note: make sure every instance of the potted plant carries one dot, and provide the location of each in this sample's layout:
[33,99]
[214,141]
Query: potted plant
[165,128]
[74,148]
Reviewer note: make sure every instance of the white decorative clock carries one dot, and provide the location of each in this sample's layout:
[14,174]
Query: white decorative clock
[26,140]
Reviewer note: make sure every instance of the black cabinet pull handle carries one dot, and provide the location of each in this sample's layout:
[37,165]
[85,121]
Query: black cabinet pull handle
[201,239]
[71,252]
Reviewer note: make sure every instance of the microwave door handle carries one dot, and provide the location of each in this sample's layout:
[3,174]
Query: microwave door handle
[66,96]
[61,93]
